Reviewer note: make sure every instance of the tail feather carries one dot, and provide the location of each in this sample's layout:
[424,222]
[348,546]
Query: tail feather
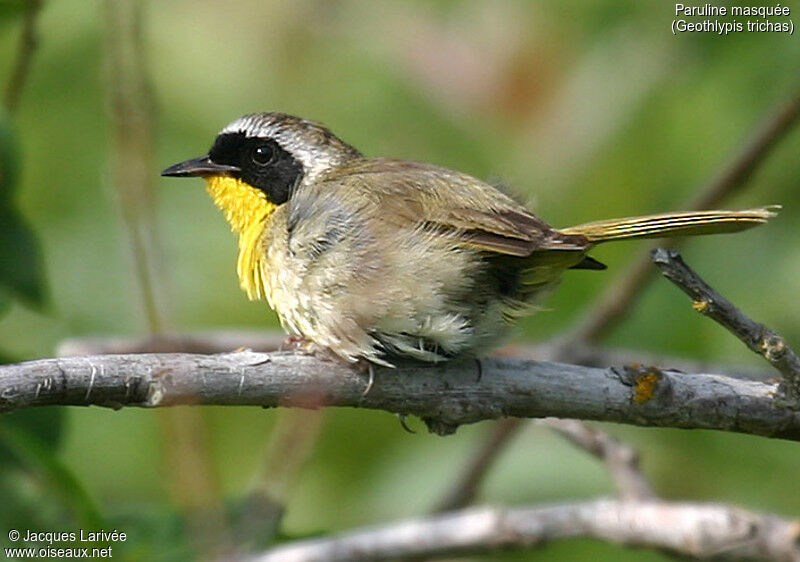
[690,223]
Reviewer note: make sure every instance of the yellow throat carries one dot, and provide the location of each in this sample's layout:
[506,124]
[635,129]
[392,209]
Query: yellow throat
[247,210]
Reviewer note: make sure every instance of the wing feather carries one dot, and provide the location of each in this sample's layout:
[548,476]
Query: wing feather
[408,194]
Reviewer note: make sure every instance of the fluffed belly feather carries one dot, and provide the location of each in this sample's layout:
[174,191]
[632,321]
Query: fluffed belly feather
[424,296]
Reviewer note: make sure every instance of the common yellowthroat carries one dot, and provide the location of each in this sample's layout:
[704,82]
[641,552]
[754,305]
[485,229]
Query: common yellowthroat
[379,258]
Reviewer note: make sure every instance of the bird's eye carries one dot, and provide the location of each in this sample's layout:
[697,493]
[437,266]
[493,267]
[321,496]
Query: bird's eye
[263,154]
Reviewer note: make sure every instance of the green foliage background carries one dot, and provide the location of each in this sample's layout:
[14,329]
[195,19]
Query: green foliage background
[589,108]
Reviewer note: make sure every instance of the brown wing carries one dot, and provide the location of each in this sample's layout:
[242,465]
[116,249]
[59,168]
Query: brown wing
[412,193]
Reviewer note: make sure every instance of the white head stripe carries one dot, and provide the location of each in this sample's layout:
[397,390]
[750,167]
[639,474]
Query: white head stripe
[314,146]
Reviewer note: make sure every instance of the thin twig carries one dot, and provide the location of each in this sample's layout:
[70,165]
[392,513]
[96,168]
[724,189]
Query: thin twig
[601,356]
[623,292]
[620,296]
[615,303]
[28,41]
[621,459]
[193,479]
[192,484]
[466,487]
[291,445]
[223,341]
[697,530]
[757,337]
[131,124]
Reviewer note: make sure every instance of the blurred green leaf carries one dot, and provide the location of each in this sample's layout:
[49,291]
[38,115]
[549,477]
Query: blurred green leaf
[153,534]
[28,505]
[11,9]
[36,455]
[5,303]
[44,424]
[9,160]
[20,258]
[257,520]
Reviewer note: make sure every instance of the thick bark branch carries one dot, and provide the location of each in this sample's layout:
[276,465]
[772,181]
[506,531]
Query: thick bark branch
[621,295]
[697,530]
[445,396]
[224,341]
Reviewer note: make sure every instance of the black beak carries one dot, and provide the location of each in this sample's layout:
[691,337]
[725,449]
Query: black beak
[202,166]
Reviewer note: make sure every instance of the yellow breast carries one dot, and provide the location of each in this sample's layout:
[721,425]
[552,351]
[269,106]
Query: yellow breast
[247,210]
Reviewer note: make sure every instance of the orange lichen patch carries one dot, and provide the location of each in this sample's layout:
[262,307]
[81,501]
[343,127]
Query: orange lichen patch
[773,347]
[645,385]
[701,306]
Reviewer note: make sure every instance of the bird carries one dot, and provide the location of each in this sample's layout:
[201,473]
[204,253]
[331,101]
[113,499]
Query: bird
[376,260]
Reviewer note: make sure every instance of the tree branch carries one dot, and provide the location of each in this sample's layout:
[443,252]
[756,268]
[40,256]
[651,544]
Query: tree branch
[465,488]
[693,529]
[130,106]
[621,459]
[612,306]
[445,396]
[28,40]
[225,341]
[757,337]
[621,295]
[222,341]
[463,492]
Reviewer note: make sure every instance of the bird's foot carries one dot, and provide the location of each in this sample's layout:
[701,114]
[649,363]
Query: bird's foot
[294,342]
[304,345]
[403,424]
[363,364]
